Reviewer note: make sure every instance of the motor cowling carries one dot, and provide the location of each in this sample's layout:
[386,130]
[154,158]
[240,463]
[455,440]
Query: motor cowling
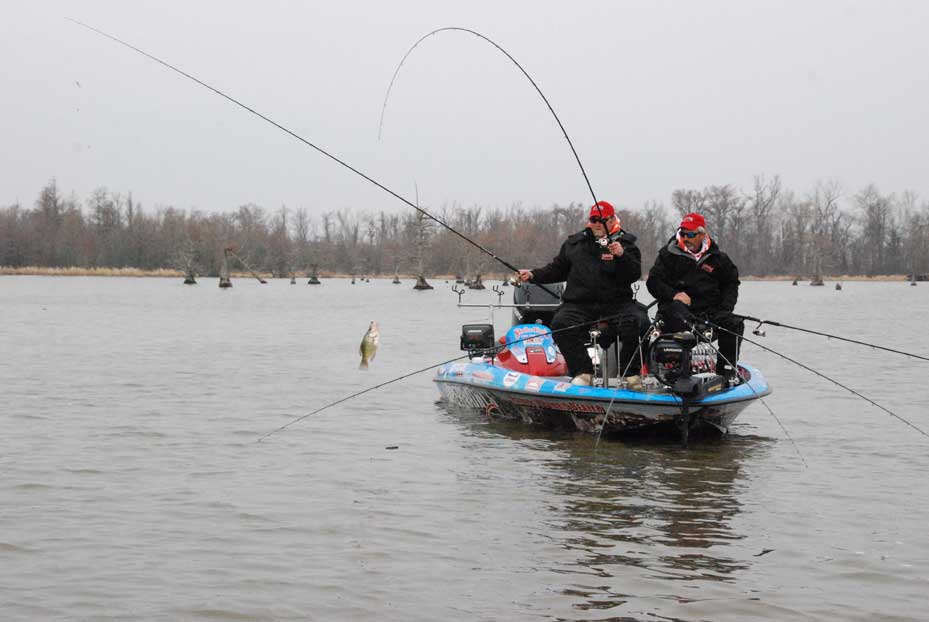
[671,357]
[530,349]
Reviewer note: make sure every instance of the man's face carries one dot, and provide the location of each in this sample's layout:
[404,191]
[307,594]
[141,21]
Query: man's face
[692,239]
[598,227]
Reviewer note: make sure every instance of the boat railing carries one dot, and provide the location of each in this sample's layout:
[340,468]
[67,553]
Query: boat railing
[492,306]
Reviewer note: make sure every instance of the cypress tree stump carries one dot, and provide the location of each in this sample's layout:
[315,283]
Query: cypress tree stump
[421,283]
[224,280]
[477,283]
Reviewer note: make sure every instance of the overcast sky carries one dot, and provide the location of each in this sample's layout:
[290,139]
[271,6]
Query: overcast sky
[655,96]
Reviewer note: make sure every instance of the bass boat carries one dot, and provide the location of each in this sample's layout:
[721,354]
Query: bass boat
[524,377]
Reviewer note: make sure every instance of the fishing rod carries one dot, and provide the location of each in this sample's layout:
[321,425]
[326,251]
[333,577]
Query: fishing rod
[393,79]
[820,374]
[821,334]
[302,140]
[564,131]
[419,371]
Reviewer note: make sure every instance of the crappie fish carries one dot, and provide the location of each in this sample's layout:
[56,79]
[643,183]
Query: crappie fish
[368,346]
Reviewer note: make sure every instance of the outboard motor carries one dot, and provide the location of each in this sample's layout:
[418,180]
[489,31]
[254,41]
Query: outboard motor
[672,363]
[530,293]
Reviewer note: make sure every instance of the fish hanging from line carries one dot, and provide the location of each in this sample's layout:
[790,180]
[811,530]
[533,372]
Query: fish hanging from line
[368,348]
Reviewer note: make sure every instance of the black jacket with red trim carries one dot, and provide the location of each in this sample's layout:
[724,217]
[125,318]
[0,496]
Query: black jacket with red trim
[712,283]
[591,273]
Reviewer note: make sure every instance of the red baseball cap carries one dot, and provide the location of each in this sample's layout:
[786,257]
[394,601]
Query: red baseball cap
[693,221]
[602,210]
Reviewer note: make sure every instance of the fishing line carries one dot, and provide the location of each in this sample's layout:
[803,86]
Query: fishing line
[302,140]
[419,371]
[736,367]
[638,351]
[814,332]
[380,125]
[821,375]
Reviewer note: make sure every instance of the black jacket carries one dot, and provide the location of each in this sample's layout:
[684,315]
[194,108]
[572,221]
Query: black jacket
[712,283]
[589,278]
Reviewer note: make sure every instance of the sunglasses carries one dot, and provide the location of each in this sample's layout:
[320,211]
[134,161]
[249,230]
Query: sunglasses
[596,219]
[690,234]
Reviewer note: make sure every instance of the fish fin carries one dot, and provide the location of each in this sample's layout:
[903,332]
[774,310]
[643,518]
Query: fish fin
[363,364]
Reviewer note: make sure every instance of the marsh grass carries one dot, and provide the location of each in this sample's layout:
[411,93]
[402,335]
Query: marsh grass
[301,274]
[77,271]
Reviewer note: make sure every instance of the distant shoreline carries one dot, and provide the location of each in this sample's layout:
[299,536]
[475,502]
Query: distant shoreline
[170,273]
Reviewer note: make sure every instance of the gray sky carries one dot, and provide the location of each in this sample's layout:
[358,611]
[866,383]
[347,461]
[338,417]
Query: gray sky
[655,96]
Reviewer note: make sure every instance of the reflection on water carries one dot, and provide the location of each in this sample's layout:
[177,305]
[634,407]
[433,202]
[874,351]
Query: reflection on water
[645,509]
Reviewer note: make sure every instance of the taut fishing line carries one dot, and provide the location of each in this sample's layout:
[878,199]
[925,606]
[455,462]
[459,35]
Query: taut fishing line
[821,375]
[419,371]
[302,140]
[829,336]
[748,384]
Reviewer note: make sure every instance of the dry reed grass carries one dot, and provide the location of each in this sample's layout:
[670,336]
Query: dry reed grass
[491,276]
[77,271]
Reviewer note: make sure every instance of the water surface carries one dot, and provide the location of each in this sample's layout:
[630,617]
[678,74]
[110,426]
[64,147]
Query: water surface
[132,487]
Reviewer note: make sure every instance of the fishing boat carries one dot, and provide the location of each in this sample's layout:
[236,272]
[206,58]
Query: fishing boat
[524,377]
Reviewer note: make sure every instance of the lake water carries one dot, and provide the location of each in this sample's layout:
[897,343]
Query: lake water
[132,486]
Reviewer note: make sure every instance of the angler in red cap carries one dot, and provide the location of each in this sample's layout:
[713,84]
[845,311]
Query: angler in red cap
[692,278]
[599,265]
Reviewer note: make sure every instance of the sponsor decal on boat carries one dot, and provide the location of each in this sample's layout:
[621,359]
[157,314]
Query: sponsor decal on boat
[518,332]
[510,379]
[456,370]
[534,384]
[562,387]
[482,376]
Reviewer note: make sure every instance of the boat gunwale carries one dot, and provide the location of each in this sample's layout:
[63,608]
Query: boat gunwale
[601,394]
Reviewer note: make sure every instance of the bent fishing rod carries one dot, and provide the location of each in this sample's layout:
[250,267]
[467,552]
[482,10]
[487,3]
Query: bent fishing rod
[538,90]
[304,141]
[829,336]
[419,371]
[820,374]
[380,125]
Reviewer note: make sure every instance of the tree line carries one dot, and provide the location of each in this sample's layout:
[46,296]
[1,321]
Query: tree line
[768,230]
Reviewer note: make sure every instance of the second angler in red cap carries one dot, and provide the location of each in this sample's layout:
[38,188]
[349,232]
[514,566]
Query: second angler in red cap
[693,278]
[599,265]
[693,222]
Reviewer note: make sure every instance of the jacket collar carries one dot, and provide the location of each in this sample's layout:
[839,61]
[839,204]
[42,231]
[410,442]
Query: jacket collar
[675,250]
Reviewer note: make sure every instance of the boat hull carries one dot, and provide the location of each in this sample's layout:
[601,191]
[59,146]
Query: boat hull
[555,403]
